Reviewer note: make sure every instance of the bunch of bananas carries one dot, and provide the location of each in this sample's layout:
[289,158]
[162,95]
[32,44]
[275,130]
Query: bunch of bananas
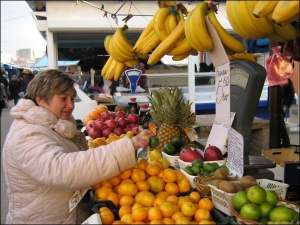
[121,54]
[263,19]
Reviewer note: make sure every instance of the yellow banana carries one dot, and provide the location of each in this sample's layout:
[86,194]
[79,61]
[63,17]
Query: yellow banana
[159,22]
[144,34]
[107,42]
[106,66]
[245,55]
[121,42]
[110,72]
[199,29]
[131,63]
[171,23]
[264,8]
[114,52]
[151,44]
[285,10]
[181,47]
[185,54]
[120,68]
[188,31]
[227,39]
[168,43]
[167,23]
[276,37]
[263,24]
[140,45]
[230,57]
[288,31]
[290,20]
[140,56]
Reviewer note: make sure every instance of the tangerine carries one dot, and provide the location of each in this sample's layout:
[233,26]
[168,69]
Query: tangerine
[128,189]
[140,214]
[105,183]
[126,200]
[156,222]
[125,209]
[183,199]
[125,174]
[115,180]
[152,170]
[143,185]
[206,203]
[102,193]
[184,185]
[154,213]
[177,215]
[96,186]
[138,175]
[183,220]
[141,163]
[163,194]
[169,175]
[202,214]
[158,163]
[147,199]
[168,220]
[188,208]
[101,108]
[107,217]
[136,205]
[112,196]
[126,181]
[118,222]
[173,199]
[94,114]
[158,201]
[157,184]
[85,120]
[180,176]
[127,218]
[195,196]
[172,188]
[99,142]
[167,209]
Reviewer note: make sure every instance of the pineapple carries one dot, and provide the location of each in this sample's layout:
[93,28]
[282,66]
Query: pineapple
[170,113]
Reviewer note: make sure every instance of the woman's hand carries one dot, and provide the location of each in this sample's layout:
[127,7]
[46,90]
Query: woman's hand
[142,139]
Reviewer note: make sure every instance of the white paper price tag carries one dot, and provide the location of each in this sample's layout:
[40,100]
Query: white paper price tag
[93,219]
[75,199]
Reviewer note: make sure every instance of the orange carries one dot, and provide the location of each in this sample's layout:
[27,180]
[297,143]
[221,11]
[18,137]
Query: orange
[143,185]
[140,214]
[118,222]
[85,120]
[154,213]
[112,196]
[138,175]
[96,186]
[89,122]
[107,217]
[172,188]
[158,163]
[139,195]
[163,194]
[195,196]
[141,163]
[184,185]
[101,108]
[167,209]
[94,114]
[169,175]
[157,184]
[136,205]
[152,169]
[202,214]
[167,220]
[111,139]
[128,189]
[183,199]
[183,220]
[206,203]
[180,176]
[173,199]
[102,193]
[138,222]
[160,173]
[126,200]
[188,208]
[125,209]
[156,222]
[125,174]
[194,222]
[147,199]
[177,215]
[126,181]
[127,218]
[105,183]
[99,142]
[205,222]
[115,180]
[158,201]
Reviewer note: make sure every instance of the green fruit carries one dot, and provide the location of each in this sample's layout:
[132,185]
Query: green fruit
[211,173]
[265,208]
[225,167]
[256,194]
[201,171]
[153,142]
[177,141]
[169,149]
[206,173]
[263,220]
[272,197]
[280,213]
[240,199]
[250,211]
[196,170]
[295,216]
[189,170]
[198,162]
[215,165]
[209,167]
[189,145]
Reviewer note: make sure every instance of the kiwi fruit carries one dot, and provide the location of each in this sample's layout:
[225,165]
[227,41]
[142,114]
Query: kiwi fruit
[208,182]
[227,187]
[120,108]
[238,187]
[205,179]
[216,183]
[247,181]
[221,174]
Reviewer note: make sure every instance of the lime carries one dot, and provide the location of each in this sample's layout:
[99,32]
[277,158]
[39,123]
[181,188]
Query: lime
[250,211]
[177,141]
[272,197]
[153,142]
[295,216]
[189,170]
[256,194]
[263,220]
[240,199]
[155,155]
[198,163]
[209,167]
[215,165]
[265,208]
[201,171]
[280,214]
[206,173]
[169,149]
[196,169]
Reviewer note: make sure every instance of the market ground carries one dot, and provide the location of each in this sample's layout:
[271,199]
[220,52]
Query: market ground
[6,121]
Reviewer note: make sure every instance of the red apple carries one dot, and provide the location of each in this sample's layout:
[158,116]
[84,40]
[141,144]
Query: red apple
[189,154]
[98,123]
[133,118]
[135,130]
[118,131]
[122,122]
[212,153]
[105,115]
[111,123]
[107,131]
[120,114]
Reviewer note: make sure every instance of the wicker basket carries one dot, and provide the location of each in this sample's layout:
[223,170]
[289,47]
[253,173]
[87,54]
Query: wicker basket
[242,220]
[203,189]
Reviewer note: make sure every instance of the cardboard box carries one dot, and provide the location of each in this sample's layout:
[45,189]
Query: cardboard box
[281,156]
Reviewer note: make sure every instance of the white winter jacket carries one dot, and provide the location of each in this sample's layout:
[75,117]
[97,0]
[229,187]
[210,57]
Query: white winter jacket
[43,166]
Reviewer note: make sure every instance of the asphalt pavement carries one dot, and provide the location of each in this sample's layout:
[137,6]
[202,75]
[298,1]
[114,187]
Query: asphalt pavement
[6,120]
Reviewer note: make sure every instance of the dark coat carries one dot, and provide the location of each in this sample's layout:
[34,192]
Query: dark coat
[26,80]
[14,88]
[287,94]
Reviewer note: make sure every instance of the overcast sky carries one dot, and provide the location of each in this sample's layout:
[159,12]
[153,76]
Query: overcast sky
[18,29]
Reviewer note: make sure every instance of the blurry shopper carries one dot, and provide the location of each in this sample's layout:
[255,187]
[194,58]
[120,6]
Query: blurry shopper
[26,80]
[14,88]
[2,96]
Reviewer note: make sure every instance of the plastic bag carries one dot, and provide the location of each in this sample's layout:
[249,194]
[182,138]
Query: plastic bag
[279,68]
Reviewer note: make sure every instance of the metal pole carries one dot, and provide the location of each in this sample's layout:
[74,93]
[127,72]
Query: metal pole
[275,116]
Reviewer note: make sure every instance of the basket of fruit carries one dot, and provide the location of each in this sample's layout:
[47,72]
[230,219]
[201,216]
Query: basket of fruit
[284,212]
[200,183]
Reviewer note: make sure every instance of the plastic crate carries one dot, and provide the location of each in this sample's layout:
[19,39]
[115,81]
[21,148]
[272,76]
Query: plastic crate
[223,200]
[92,201]
[114,210]
[292,193]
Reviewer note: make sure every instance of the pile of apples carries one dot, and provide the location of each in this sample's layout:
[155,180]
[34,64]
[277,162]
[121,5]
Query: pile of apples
[101,122]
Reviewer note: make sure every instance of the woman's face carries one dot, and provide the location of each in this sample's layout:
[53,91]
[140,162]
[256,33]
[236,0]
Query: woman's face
[61,105]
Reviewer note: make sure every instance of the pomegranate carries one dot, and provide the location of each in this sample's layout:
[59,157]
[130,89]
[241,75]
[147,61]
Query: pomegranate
[120,114]
[135,130]
[105,115]
[122,122]
[107,131]
[94,132]
[212,153]
[111,123]
[133,118]
[189,154]
[118,131]
[127,128]
[99,124]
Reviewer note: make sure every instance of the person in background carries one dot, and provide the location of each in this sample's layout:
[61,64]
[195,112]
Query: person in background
[26,79]
[2,95]
[45,157]
[4,81]
[287,98]
[14,88]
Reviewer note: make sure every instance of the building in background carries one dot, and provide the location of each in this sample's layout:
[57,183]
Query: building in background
[26,53]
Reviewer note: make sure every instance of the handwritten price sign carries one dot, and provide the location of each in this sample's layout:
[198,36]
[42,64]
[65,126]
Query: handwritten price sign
[222,87]
[75,199]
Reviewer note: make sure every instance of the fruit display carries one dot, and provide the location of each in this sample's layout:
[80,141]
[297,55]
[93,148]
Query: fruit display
[152,193]
[104,126]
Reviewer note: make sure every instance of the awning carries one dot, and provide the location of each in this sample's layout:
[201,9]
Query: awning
[43,62]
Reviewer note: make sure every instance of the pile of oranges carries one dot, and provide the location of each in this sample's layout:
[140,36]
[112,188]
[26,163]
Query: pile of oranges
[150,194]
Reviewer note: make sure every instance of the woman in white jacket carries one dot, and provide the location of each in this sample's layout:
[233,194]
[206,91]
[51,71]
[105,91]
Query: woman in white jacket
[42,158]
